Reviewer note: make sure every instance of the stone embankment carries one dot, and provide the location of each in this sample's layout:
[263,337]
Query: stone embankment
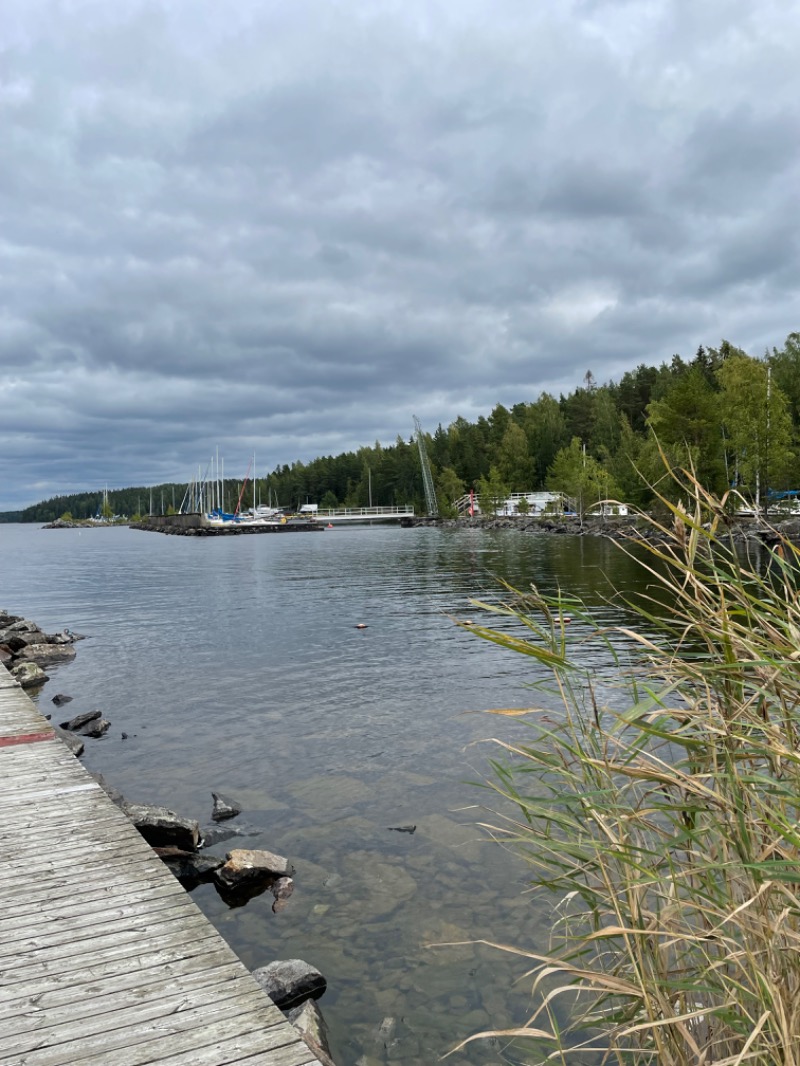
[742,530]
[25,649]
[197,525]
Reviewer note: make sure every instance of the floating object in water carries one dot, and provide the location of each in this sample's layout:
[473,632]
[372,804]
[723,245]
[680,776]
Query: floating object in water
[566,619]
[329,525]
[362,625]
[468,623]
[402,828]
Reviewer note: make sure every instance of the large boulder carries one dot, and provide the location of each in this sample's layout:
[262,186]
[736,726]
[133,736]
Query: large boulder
[17,641]
[29,675]
[22,625]
[47,653]
[80,720]
[290,982]
[244,868]
[161,827]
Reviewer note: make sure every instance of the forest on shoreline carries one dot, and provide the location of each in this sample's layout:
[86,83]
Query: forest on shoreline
[735,418]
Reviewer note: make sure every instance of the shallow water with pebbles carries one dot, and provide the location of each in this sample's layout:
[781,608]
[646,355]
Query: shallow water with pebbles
[235,665]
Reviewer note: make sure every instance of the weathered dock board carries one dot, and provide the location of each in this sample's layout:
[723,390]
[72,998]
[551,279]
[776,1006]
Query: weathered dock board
[104,959]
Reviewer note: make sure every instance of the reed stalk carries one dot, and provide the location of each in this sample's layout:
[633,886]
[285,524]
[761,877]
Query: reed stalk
[659,806]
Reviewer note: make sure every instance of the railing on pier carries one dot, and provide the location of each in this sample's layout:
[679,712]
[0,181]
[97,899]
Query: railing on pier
[364,514]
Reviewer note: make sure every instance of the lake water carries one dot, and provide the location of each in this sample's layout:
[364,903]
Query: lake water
[234,665]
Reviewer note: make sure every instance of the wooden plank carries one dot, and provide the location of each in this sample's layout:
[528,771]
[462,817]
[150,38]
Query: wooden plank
[250,1050]
[107,978]
[116,1005]
[138,1024]
[80,892]
[73,878]
[75,921]
[58,974]
[106,827]
[183,924]
[186,1038]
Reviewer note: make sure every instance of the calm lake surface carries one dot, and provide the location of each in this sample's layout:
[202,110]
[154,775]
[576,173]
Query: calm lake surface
[234,665]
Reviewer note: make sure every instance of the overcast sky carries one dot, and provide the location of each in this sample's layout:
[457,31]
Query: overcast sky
[290,225]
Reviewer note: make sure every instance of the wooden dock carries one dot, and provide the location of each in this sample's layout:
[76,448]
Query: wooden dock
[104,958]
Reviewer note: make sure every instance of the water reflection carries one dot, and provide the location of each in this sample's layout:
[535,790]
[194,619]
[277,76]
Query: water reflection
[233,665]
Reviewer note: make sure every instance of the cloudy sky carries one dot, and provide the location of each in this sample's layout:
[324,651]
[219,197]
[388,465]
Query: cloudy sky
[290,225]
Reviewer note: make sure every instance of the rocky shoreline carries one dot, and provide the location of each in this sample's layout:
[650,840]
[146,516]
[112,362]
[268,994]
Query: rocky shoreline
[242,874]
[744,531]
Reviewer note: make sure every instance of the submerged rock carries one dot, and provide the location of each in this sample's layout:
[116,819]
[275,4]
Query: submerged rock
[60,699]
[224,807]
[310,1024]
[216,834]
[290,982]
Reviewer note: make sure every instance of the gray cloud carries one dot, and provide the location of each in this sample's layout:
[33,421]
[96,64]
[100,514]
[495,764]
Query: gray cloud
[291,226]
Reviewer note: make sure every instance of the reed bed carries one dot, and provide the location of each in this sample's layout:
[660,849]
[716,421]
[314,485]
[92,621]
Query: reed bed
[662,814]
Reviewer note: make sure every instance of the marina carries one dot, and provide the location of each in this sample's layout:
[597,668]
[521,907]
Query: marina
[308,520]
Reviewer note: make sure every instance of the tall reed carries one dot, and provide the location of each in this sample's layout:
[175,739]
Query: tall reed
[662,813]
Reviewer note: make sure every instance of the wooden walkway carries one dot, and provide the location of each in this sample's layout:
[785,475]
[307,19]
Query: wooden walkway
[104,958]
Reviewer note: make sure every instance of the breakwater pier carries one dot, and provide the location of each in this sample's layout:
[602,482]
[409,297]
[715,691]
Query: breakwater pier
[105,958]
[199,525]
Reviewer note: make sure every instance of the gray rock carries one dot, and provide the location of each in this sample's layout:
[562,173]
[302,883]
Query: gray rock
[224,807]
[47,653]
[58,638]
[161,827]
[96,728]
[310,1024]
[80,719]
[290,982]
[60,699]
[75,744]
[29,675]
[113,794]
[17,641]
[244,867]
[22,625]
[6,654]
[189,867]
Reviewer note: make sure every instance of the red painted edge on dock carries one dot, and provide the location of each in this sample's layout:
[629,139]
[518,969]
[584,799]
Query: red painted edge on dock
[26,738]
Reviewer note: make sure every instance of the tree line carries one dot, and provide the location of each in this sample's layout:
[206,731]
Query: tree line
[733,417]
